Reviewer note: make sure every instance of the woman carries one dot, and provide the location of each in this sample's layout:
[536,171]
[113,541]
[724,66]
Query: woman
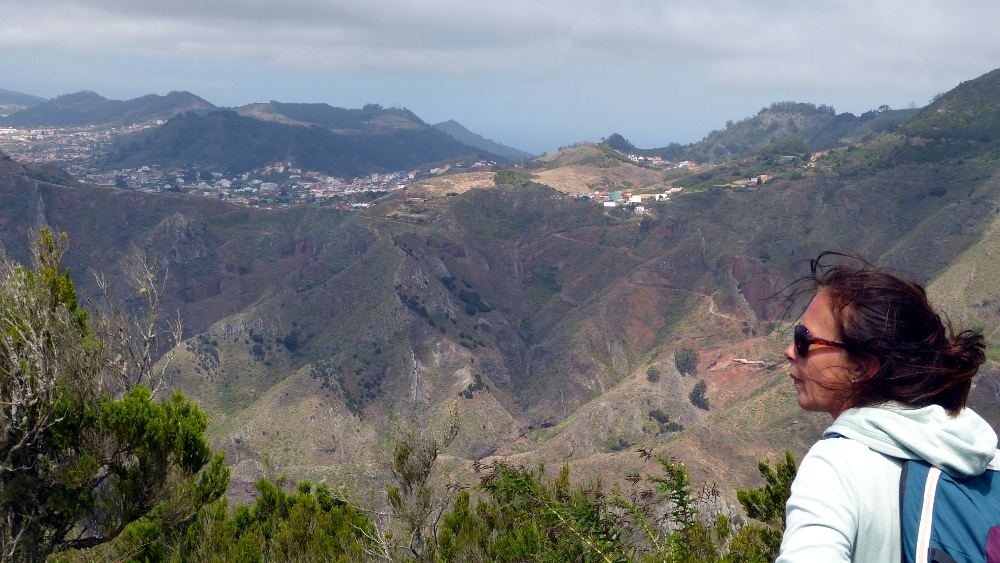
[870,351]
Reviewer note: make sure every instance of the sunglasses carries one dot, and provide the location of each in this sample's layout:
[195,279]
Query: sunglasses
[803,340]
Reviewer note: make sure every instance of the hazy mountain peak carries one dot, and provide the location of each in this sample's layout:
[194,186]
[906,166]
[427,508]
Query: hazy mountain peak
[89,108]
[463,135]
[10,97]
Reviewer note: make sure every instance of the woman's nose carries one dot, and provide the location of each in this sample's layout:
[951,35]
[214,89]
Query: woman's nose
[790,352]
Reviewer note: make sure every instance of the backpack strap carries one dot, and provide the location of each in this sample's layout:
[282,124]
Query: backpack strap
[927,519]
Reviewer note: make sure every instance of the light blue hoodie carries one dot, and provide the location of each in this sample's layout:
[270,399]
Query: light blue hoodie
[845,498]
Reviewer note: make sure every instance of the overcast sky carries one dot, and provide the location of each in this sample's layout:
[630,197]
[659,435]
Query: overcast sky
[533,74]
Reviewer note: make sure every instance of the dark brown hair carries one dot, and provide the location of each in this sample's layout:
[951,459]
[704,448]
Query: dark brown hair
[890,330]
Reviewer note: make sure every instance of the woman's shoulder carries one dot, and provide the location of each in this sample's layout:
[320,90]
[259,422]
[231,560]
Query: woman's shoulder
[842,452]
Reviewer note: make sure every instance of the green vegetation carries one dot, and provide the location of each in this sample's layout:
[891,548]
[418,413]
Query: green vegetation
[524,516]
[544,283]
[698,397]
[224,141]
[686,360]
[664,421]
[652,375]
[311,524]
[85,451]
[815,127]
[767,505]
[512,177]
[519,515]
[966,114]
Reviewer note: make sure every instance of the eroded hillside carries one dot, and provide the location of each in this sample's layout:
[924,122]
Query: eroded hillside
[551,323]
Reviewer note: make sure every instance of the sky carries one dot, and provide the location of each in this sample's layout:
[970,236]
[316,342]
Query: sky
[532,74]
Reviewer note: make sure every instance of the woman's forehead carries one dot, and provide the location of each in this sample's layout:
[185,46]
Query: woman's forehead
[819,313]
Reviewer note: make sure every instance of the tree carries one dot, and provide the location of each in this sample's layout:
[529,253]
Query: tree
[653,375]
[698,397]
[686,360]
[766,504]
[311,524]
[411,497]
[524,516]
[84,448]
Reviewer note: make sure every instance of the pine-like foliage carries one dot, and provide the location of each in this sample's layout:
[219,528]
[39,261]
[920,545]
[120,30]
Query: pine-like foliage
[84,448]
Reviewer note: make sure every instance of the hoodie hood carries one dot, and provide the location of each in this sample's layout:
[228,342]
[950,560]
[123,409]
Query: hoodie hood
[960,445]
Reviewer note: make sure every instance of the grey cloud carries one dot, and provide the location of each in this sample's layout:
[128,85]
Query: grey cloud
[844,43]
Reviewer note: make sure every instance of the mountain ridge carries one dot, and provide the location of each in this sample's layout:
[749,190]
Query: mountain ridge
[89,108]
[819,128]
[225,141]
[20,99]
[463,135]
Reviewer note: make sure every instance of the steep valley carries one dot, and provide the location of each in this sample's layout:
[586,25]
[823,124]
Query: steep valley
[549,323]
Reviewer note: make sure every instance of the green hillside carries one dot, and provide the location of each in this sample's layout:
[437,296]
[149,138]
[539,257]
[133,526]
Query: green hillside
[10,97]
[369,118]
[89,108]
[224,141]
[816,128]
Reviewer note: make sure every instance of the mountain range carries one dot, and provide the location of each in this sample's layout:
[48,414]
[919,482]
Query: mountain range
[89,108]
[320,137]
[819,128]
[551,322]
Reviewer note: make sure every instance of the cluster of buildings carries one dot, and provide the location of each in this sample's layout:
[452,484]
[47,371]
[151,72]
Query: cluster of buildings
[72,148]
[612,200]
[77,149]
[657,162]
[279,183]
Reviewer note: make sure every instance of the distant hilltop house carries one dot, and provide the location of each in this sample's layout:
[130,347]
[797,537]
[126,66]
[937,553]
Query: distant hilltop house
[667,194]
[655,161]
[815,156]
[751,183]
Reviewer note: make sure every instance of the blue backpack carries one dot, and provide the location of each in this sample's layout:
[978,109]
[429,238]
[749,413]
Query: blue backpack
[948,520]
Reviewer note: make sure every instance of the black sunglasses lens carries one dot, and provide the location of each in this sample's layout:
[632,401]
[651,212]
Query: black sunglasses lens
[801,341]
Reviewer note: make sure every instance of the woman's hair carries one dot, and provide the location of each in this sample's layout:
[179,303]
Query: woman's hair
[887,325]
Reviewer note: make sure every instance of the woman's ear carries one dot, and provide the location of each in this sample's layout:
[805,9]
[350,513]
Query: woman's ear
[866,369]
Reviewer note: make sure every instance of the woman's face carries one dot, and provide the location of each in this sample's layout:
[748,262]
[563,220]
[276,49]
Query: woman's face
[824,375]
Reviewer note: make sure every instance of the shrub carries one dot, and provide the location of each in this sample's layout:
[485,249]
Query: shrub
[686,360]
[697,395]
[653,375]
